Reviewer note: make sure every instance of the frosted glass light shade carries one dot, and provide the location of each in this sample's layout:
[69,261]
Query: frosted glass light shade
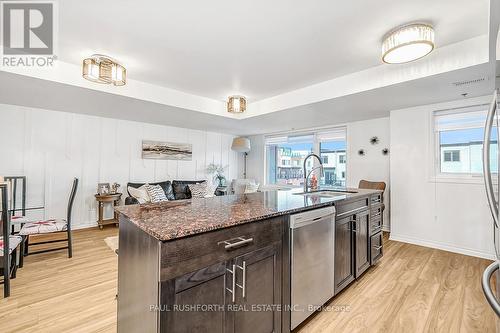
[241,145]
[408,43]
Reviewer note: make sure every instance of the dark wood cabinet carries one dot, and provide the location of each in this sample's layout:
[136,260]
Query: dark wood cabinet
[242,293]
[196,302]
[258,292]
[344,252]
[357,241]
[362,245]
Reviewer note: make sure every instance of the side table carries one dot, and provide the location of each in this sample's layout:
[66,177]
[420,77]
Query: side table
[107,198]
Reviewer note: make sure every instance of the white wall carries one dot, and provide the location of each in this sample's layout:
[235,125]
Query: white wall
[445,214]
[51,148]
[373,166]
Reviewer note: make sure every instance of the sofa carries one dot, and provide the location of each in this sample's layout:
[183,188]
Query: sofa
[174,190]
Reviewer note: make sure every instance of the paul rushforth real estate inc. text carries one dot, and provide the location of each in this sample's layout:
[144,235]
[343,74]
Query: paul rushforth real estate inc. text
[247,308]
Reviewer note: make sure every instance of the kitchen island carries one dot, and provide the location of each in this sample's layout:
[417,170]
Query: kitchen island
[222,264]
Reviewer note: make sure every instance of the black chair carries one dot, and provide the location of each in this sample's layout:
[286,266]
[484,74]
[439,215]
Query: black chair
[8,244]
[15,186]
[51,226]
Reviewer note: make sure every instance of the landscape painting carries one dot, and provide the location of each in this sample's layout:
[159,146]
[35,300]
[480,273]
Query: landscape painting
[158,150]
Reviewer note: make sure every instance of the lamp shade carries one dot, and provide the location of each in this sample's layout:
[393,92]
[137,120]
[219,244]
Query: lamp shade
[102,69]
[236,104]
[241,145]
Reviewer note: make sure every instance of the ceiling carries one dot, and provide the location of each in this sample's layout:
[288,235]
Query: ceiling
[376,103]
[258,48]
[302,64]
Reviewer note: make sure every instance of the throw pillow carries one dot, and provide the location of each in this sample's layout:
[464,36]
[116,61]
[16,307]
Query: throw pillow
[141,193]
[199,190]
[210,190]
[251,188]
[156,193]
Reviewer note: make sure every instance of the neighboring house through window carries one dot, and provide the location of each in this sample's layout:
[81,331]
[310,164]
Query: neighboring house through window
[459,141]
[285,157]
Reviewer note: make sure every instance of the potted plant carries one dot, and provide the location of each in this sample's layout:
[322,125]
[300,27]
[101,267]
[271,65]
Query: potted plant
[217,172]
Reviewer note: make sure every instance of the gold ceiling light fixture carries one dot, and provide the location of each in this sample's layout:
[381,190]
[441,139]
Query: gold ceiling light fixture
[103,69]
[407,43]
[236,104]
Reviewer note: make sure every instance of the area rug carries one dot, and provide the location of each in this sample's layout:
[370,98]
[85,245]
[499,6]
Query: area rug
[112,243]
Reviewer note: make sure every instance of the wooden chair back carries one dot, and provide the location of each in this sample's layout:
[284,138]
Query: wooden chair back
[368,185]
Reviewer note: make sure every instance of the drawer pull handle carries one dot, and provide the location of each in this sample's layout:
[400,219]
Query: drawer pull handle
[229,245]
[243,286]
[377,247]
[233,290]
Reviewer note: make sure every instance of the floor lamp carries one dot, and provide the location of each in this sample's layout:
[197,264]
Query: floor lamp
[242,145]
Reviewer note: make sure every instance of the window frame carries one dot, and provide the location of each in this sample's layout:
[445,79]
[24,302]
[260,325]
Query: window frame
[316,149]
[436,175]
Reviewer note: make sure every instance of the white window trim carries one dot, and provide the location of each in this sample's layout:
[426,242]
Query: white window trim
[316,150]
[434,149]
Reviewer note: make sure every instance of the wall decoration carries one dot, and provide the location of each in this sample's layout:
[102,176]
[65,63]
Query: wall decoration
[114,188]
[103,188]
[361,152]
[158,150]
[385,151]
[374,140]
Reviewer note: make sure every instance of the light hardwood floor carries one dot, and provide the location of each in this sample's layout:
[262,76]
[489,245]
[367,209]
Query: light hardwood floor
[412,289]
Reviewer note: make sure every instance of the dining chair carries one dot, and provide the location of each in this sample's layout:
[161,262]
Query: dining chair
[8,243]
[16,184]
[51,226]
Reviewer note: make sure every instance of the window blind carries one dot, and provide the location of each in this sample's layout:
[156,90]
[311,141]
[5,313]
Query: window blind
[334,134]
[276,140]
[337,134]
[473,117]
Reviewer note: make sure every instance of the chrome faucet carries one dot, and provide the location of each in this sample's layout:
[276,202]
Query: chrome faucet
[306,178]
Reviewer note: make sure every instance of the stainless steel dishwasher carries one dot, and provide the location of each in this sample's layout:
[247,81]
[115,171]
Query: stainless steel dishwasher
[312,261]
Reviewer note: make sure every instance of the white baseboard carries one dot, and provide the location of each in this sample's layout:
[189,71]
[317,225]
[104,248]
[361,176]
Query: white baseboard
[442,246]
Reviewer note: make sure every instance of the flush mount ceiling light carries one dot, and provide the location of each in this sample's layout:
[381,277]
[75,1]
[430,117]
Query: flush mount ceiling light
[103,69]
[408,43]
[236,104]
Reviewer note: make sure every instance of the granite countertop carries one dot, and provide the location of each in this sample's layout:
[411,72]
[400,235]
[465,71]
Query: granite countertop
[176,219]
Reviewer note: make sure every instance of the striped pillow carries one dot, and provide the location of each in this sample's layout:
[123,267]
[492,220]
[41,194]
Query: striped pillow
[199,190]
[156,193]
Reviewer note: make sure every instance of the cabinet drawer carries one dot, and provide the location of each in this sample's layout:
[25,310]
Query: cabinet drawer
[376,248]
[376,211]
[375,225]
[376,198]
[189,254]
[351,207]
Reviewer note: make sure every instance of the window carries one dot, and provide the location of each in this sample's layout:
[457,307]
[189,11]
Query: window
[285,157]
[459,141]
[451,155]
[342,159]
